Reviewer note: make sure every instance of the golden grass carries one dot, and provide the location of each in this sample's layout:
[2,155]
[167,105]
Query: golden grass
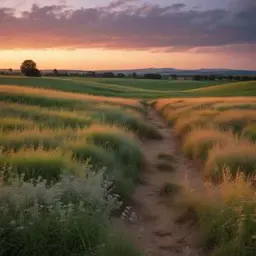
[185,122]
[163,102]
[226,215]
[34,163]
[12,123]
[64,95]
[236,155]
[34,137]
[236,119]
[104,128]
[200,140]
[39,113]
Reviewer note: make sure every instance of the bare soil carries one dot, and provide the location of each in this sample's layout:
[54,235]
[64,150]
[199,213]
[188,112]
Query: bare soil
[154,223]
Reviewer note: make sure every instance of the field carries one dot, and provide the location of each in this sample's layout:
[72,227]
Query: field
[45,137]
[137,88]
[219,135]
[73,150]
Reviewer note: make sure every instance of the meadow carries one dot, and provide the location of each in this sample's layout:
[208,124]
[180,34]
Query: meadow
[136,88]
[218,134]
[68,162]
[71,158]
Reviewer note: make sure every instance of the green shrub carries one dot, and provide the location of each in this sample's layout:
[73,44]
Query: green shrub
[68,218]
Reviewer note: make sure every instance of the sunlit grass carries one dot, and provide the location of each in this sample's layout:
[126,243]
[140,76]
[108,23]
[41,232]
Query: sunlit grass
[49,93]
[11,123]
[133,122]
[236,155]
[34,138]
[226,216]
[235,119]
[199,141]
[31,164]
[54,118]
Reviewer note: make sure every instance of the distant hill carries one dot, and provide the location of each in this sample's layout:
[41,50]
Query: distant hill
[167,71]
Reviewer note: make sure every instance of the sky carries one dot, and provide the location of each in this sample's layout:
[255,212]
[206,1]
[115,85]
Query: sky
[123,34]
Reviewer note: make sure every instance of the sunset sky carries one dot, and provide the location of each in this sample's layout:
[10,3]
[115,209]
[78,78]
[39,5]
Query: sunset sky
[122,34]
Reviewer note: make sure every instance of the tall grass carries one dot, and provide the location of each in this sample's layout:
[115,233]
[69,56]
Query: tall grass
[53,118]
[200,141]
[226,216]
[235,119]
[11,123]
[196,119]
[68,218]
[36,137]
[133,122]
[236,155]
[31,164]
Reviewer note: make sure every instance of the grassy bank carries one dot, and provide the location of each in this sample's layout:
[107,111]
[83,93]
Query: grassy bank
[218,133]
[67,161]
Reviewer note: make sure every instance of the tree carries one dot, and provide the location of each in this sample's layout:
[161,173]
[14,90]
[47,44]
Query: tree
[55,72]
[197,77]
[120,75]
[174,77]
[152,76]
[108,74]
[28,68]
[134,74]
[91,74]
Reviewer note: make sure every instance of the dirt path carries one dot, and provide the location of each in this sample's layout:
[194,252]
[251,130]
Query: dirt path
[152,226]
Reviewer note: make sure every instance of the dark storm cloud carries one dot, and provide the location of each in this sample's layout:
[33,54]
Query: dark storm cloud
[147,26]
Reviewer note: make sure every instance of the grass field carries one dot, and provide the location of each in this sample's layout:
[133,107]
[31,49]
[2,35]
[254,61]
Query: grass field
[70,155]
[219,134]
[87,148]
[136,88]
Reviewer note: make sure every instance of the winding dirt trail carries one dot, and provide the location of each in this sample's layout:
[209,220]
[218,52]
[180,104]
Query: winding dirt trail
[153,225]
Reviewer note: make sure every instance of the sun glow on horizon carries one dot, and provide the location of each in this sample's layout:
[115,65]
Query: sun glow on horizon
[97,59]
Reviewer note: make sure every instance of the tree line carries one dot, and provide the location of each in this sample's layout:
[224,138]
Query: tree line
[29,68]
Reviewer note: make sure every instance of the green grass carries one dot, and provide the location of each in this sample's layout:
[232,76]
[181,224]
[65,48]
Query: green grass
[134,123]
[127,88]
[87,149]
[34,138]
[10,123]
[68,218]
[31,164]
[135,88]
[46,116]
[231,89]
[226,220]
